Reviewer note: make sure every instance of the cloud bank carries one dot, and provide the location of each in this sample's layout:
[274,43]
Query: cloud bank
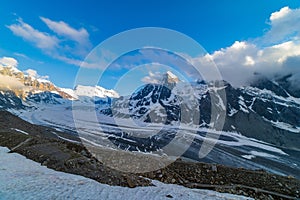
[275,54]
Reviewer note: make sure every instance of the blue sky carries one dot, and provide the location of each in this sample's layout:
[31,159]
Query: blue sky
[30,31]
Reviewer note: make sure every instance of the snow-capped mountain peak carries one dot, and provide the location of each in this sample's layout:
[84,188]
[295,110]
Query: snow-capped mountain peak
[23,84]
[94,91]
[169,77]
[28,84]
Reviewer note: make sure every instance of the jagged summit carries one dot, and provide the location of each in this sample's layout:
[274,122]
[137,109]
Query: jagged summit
[169,77]
[169,80]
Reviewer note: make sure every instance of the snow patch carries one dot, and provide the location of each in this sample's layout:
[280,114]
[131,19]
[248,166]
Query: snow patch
[96,91]
[242,104]
[21,178]
[286,126]
[262,154]
[232,112]
[249,157]
[20,131]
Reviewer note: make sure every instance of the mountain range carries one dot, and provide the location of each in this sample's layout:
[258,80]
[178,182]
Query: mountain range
[261,121]
[19,89]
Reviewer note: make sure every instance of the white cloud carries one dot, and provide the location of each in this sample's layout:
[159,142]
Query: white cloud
[63,29]
[154,78]
[280,14]
[280,52]
[249,61]
[42,40]
[276,52]
[235,53]
[33,73]
[8,62]
[285,26]
[10,83]
[66,43]
[237,65]
[95,60]
[21,55]
[80,36]
[233,63]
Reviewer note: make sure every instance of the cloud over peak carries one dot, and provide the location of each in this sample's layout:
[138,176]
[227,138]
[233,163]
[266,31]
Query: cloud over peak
[8,62]
[153,77]
[271,55]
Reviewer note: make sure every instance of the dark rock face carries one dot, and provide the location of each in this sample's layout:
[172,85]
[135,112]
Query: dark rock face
[44,97]
[153,104]
[106,111]
[166,107]
[106,101]
[255,119]
[264,83]
[286,84]
[252,111]
[9,100]
[277,112]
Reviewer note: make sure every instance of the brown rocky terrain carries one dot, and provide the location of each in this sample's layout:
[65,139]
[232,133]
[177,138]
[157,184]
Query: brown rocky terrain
[42,146]
[30,84]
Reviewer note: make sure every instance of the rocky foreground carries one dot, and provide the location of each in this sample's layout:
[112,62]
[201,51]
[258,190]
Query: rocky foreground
[74,158]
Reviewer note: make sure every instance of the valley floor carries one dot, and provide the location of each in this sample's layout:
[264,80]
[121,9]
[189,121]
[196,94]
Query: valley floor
[21,178]
[25,179]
